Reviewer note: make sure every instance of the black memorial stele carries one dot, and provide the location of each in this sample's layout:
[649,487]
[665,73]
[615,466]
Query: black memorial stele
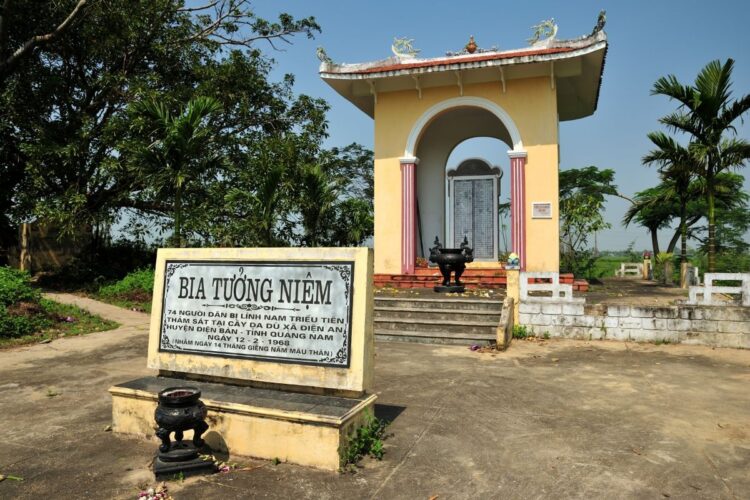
[180,409]
[451,260]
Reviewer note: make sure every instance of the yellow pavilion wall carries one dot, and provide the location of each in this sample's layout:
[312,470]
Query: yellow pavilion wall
[532,105]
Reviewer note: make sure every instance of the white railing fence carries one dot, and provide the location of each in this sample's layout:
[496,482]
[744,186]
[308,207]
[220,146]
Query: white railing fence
[708,290]
[552,290]
[634,269]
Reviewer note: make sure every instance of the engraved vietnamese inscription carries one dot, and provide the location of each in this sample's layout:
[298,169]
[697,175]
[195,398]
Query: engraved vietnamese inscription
[294,312]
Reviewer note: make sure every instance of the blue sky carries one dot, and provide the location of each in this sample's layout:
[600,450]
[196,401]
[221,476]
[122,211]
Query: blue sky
[647,40]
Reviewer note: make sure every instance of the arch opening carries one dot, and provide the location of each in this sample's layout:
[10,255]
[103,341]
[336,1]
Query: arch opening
[451,207]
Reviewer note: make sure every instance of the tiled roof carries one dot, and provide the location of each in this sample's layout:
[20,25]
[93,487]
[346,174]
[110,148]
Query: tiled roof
[445,61]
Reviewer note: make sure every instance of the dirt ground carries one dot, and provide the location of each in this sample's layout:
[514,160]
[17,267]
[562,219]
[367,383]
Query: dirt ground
[630,291]
[550,419]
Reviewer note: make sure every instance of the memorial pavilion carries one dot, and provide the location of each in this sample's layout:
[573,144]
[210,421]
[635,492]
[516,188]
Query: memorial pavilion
[424,108]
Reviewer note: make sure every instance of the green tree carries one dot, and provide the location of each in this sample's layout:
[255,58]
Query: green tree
[176,150]
[677,168]
[657,207]
[707,113]
[582,196]
[16,44]
[651,209]
[65,102]
[732,216]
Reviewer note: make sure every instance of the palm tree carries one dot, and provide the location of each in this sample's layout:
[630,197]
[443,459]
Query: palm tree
[677,168]
[655,208]
[652,208]
[318,195]
[178,147]
[707,113]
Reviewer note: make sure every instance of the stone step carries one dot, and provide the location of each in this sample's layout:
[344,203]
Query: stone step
[469,272]
[434,337]
[468,329]
[430,284]
[440,303]
[437,314]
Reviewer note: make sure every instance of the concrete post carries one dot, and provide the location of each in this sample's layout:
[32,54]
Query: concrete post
[24,254]
[684,274]
[513,283]
[646,268]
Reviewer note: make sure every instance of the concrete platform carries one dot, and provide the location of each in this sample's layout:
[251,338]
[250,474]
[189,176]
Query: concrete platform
[554,419]
[252,422]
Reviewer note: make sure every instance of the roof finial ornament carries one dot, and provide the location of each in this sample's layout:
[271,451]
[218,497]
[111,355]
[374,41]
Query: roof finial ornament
[546,29]
[600,22]
[471,48]
[403,49]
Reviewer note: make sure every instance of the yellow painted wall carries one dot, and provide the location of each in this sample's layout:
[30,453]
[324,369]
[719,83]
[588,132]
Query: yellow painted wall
[531,103]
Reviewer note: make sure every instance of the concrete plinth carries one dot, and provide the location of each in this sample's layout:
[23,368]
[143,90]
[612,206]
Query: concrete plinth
[304,429]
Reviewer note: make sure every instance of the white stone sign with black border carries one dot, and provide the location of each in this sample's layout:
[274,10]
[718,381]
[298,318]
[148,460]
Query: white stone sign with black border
[292,318]
[286,312]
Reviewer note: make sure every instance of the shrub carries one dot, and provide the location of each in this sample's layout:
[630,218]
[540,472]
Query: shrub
[139,281]
[19,305]
[521,332]
[15,323]
[367,440]
[95,268]
[15,287]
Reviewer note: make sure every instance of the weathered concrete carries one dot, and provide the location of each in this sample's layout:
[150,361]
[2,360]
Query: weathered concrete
[708,290]
[553,419]
[717,326]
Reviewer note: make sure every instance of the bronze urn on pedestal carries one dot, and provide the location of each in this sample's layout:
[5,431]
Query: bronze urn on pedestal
[451,260]
[180,409]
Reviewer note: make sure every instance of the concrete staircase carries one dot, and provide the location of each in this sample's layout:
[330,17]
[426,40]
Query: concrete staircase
[439,320]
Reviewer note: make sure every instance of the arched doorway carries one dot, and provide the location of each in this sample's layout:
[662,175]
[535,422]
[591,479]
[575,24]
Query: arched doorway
[443,128]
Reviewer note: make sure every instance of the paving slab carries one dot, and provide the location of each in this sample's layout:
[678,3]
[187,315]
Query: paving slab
[552,419]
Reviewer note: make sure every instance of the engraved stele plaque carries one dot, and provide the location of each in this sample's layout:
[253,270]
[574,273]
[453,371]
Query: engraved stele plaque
[295,317]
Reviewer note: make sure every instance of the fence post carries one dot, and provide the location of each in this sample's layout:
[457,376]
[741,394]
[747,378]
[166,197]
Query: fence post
[513,284]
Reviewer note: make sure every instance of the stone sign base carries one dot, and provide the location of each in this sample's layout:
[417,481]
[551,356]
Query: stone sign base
[304,429]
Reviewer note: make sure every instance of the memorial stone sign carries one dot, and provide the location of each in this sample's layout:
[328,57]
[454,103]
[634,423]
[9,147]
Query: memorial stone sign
[276,311]
[293,317]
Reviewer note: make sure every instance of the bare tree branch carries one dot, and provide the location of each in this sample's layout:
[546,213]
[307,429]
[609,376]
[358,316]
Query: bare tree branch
[35,41]
[197,9]
[233,23]
[620,195]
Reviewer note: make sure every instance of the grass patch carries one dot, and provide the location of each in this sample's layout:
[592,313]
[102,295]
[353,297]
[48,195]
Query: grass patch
[133,302]
[53,320]
[134,291]
[605,266]
[521,332]
[367,440]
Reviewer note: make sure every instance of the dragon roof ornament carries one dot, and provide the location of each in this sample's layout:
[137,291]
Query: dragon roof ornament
[403,48]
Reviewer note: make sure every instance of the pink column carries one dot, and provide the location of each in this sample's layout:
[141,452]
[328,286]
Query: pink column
[518,205]
[408,215]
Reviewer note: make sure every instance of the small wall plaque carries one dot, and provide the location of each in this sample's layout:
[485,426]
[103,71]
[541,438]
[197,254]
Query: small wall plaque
[541,210]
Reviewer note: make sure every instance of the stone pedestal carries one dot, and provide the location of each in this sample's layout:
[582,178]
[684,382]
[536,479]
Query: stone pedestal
[278,340]
[305,429]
